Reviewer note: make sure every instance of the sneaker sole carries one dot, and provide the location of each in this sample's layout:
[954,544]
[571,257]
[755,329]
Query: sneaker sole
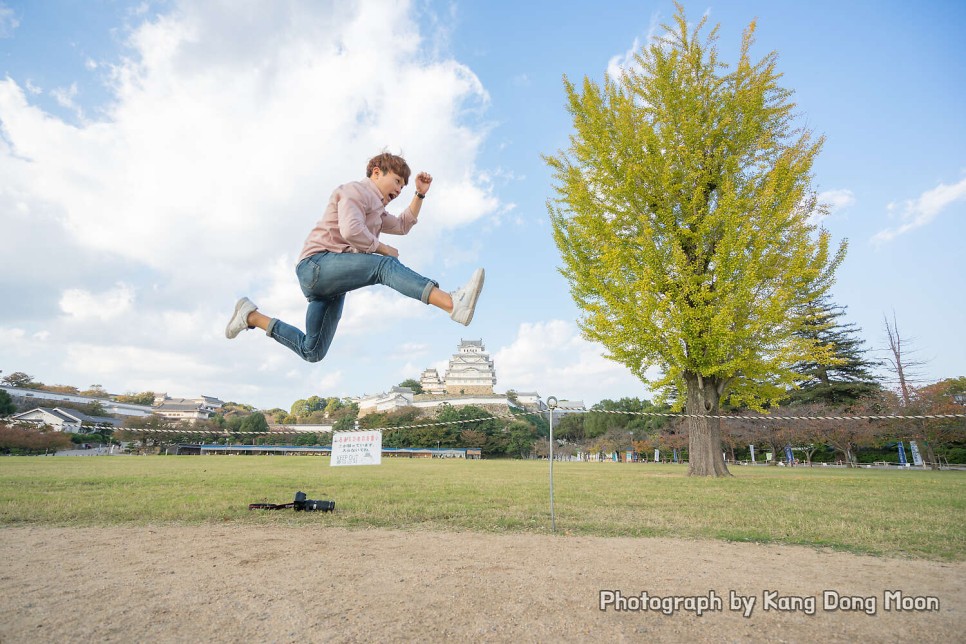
[475,294]
[228,333]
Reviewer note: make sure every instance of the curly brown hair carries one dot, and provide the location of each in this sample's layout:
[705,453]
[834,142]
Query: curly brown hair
[389,163]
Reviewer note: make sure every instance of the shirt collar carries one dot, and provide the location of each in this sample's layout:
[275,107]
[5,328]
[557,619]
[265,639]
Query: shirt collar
[375,190]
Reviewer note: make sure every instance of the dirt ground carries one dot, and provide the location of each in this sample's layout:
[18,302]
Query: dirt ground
[268,584]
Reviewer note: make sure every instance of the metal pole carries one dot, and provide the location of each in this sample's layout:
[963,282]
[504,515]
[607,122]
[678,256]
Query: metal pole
[552,403]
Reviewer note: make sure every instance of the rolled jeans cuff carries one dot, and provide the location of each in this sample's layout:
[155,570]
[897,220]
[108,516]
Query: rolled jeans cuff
[430,285]
[270,327]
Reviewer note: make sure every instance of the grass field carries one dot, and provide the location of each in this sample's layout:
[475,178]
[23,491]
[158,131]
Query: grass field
[918,514]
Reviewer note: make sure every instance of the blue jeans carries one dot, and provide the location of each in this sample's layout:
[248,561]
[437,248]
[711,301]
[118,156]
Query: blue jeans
[325,278]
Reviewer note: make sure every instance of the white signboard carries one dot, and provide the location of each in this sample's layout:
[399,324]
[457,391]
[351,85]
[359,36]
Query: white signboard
[356,448]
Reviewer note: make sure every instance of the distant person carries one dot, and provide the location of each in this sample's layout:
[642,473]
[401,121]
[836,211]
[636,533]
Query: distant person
[343,253]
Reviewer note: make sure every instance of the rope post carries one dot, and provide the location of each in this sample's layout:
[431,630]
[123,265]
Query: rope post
[552,404]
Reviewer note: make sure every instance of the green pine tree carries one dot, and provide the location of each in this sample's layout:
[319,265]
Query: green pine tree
[849,378]
[7,406]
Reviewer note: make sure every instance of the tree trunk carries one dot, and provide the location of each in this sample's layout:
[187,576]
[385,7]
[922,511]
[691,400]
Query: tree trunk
[705,457]
[929,454]
[849,457]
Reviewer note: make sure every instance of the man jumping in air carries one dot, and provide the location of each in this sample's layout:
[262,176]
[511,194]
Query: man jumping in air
[343,253]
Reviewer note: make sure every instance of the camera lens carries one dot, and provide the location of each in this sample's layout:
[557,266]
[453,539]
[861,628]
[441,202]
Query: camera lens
[311,505]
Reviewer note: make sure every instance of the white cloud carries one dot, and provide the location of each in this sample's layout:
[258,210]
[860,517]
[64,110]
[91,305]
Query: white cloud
[143,369]
[224,135]
[618,64]
[8,21]
[621,62]
[552,359]
[830,202]
[82,304]
[329,381]
[12,338]
[411,350]
[916,213]
[65,96]
[378,309]
[836,199]
[226,128]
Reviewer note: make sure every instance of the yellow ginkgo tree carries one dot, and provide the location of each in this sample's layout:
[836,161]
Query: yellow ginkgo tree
[686,221]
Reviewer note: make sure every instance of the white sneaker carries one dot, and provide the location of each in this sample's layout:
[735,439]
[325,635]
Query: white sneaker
[239,320]
[464,298]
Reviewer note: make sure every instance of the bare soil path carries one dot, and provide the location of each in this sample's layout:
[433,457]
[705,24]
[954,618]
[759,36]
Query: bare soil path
[256,584]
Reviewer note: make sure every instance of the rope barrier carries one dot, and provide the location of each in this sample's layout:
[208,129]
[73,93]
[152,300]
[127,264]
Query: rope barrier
[512,415]
[773,418]
[229,432]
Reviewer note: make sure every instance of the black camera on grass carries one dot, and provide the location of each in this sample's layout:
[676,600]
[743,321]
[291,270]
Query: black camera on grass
[303,504]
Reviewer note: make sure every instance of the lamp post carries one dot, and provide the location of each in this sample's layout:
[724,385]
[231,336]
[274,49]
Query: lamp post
[552,404]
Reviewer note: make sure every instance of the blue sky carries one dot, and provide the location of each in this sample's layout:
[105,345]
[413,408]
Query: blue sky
[160,159]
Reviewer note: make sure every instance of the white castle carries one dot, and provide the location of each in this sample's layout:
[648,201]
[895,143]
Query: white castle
[470,372]
[469,380]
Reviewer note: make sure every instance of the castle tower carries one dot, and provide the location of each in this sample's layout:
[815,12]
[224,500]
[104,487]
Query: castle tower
[431,383]
[470,370]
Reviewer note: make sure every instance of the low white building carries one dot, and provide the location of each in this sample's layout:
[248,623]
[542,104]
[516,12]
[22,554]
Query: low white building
[110,406]
[477,400]
[64,420]
[530,400]
[395,398]
[569,407]
[188,409]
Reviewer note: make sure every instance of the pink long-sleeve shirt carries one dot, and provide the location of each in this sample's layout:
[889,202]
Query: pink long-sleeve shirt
[353,220]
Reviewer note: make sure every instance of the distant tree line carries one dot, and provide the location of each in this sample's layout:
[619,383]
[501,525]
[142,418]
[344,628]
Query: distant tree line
[22,380]
[843,385]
